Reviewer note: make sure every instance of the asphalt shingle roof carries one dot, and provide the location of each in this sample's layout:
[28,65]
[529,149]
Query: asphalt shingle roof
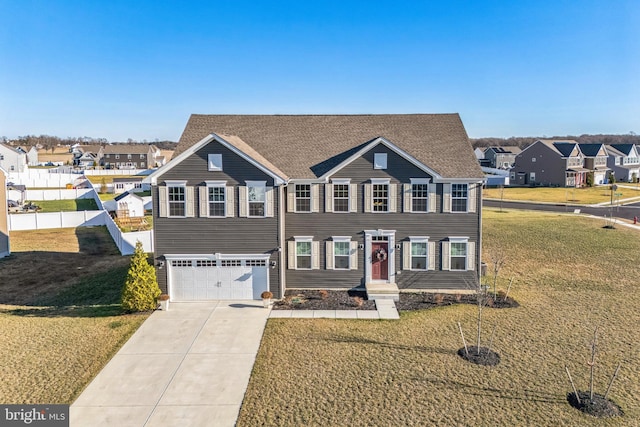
[306,146]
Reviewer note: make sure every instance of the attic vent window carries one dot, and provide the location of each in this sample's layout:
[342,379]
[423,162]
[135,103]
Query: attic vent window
[380,160]
[215,162]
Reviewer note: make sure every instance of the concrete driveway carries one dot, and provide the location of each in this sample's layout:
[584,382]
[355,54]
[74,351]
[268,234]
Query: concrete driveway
[188,366]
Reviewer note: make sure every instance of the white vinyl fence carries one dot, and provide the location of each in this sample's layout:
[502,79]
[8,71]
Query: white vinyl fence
[126,242]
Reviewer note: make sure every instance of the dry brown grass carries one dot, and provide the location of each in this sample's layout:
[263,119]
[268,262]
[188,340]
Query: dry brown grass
[59,317]
[571,275]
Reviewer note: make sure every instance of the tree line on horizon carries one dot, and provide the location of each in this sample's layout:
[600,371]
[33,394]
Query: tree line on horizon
[522,142]
[49,142]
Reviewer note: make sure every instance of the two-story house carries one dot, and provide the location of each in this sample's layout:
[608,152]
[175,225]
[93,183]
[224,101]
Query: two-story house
[550,163]
[129,156]
[624,161]
[502,157]
[12,159]
[595,161]
[4,218]
[381,202]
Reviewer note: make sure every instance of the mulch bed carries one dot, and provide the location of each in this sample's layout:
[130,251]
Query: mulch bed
[421,301]
[598,407]
[485,357]
[324,300]
[357,300]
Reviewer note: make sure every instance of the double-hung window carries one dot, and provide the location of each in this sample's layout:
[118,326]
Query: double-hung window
[380,197]
[419,197]
[458,254]
[216,198]
[459,196]
[303,253]
[419,259]
[303,197]
[256,197]
[419,254]
[341,253]
[176,197]
[341,197]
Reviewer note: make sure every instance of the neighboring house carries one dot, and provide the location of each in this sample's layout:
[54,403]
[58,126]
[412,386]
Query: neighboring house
[12,159]
[550,163]
[595,160]
[129,156]
[129,205]
[131,184]
[4,216]
[624,161]
[87,156]
[501,157]
[379,202]
[31,153]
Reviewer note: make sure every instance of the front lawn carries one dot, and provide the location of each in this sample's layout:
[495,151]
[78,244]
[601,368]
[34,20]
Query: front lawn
[71,205]
[584,196]
[571,275]
[60,314]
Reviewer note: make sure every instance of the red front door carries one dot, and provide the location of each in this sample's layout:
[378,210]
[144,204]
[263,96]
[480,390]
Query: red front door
[379,261]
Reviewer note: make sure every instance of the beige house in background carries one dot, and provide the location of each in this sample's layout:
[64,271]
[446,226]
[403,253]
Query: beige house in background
[4,216]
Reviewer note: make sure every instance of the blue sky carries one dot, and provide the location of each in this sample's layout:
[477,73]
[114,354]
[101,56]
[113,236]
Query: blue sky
[138,69]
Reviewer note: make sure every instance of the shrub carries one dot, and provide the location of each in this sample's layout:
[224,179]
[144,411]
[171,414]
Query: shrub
[438,299]
[323,294]
[266,295]
[141,287]
[358,301]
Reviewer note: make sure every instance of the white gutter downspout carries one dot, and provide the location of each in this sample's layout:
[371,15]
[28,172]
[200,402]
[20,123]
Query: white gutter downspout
[281,234]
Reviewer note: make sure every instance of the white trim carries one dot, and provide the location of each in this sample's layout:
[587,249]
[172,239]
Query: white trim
[217,256]
[392,147]
[379,181]
[153,178]
[174,183]
[391,248]
[420,180]
[340,239]
[214,162]
[216,183]
[419,239]
[380,161]
[341,180]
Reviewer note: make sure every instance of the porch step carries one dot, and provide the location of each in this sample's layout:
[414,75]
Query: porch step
[382,291]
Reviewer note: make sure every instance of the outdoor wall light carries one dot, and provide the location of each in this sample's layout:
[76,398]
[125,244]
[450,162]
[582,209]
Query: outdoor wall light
[160,264]
[272,264]
[361,246]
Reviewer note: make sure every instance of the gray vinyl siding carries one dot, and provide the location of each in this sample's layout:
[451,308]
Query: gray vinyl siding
[550,168]
[438,226]
[232,235]
[398,168]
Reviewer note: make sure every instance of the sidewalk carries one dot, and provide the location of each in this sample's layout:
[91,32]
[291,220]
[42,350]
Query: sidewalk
[385,309]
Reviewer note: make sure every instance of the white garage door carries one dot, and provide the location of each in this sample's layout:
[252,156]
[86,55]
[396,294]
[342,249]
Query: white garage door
[201,280]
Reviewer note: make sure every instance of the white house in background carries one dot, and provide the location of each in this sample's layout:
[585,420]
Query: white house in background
[624,161]
[32,154]
[12,159]
[479,152]
[129,205]
[4,216]
[132,184]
